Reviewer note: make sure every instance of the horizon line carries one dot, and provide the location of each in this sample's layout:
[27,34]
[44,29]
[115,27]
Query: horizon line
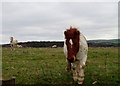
[58,40]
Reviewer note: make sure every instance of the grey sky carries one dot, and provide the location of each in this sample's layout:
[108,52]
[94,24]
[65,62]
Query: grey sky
[37,21]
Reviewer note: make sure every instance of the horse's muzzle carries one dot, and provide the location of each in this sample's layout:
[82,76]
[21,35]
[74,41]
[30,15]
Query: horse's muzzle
[71,60]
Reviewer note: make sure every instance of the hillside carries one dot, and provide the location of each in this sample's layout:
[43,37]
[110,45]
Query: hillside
[104,43]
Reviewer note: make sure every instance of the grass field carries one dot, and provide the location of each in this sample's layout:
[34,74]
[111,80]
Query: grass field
[47,66]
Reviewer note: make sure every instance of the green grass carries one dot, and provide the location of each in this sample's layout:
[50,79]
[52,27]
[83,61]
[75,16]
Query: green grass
[47,66]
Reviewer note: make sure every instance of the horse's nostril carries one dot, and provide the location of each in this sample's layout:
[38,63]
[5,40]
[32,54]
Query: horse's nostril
[73,68]
[70,59]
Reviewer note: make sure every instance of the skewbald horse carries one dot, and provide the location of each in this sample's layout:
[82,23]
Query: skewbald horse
[13,42]
[75,50]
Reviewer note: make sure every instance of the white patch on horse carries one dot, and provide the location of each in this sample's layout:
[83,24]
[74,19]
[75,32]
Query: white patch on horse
[71,42]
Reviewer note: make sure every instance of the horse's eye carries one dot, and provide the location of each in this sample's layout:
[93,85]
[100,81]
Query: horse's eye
[76,33]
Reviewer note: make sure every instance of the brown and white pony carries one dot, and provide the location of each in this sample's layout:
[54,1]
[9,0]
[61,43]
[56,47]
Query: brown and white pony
[75,49]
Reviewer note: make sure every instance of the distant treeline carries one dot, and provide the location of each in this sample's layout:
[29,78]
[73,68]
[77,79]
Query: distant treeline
[91,43]
[38,44]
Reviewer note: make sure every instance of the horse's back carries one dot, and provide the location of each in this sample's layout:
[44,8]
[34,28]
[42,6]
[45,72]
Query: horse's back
[83,49]
[83,41]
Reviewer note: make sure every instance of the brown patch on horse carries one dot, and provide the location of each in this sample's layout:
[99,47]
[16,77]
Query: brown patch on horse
[74,35]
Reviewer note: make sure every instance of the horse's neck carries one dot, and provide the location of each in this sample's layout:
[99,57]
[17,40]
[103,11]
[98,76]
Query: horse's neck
[13,41]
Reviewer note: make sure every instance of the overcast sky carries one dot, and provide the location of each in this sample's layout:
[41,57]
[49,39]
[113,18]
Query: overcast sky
[41,21]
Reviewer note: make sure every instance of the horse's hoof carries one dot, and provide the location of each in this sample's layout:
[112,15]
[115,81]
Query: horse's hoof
[75,78]
[80,82]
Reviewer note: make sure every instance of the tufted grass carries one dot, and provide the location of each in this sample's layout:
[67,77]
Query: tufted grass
[47,66]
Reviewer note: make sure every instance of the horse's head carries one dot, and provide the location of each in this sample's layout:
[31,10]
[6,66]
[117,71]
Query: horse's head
[11,39]
[72,42]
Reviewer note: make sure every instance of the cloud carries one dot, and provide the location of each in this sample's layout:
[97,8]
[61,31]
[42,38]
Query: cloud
[48,20]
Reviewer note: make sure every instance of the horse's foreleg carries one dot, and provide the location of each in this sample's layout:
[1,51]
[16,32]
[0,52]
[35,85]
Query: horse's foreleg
[81,74]
[74,72]
[78,72]
[68,66]
[11,46]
